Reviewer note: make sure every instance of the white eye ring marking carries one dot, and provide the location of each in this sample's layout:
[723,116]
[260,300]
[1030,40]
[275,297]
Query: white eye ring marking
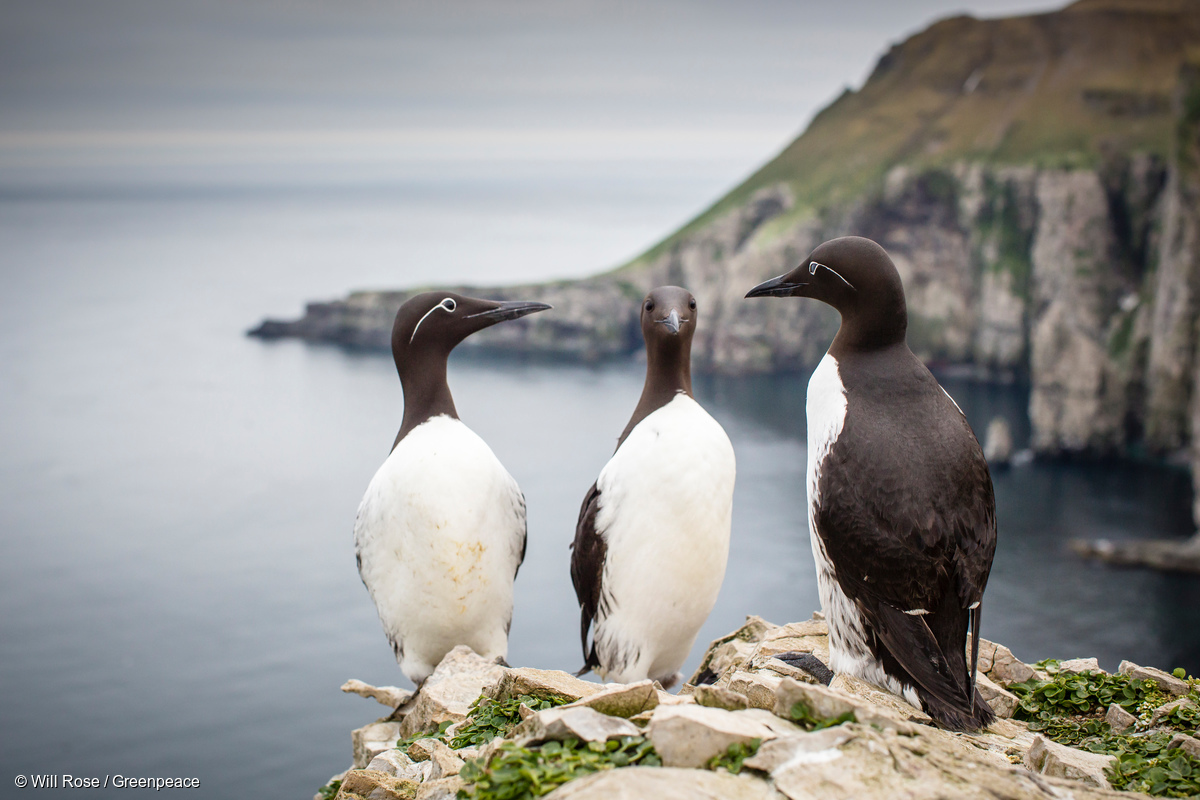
[447,304]
[812,270]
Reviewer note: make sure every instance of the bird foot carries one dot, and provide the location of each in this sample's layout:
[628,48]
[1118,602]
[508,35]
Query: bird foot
[809,663]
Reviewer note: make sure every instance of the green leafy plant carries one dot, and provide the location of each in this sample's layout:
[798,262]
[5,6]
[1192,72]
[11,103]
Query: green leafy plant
[329,790]
[488,718]
[1069,708]
[517,773]
[1172,773]
[804,716]
[439,734]
[731,760]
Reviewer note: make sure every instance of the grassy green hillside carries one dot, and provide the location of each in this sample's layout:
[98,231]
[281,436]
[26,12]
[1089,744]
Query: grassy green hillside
[1063,88]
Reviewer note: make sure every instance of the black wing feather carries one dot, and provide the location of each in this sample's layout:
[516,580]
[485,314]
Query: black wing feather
[587,572]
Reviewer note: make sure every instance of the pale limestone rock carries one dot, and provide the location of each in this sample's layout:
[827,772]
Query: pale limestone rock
[448,693]
[758,689]
[1050,758]
[541,683]
[371,740]
[422,749]
[987,650]
[688,736]
[1167,682]
[860,761]
[1001,701]
[390,696]
[1119,719]
[733,648]
[717,697]
[1189,744]
[1007,669]
[444,762]
[664,783]
[621,699]
[366,784]
[395,763]
[441,789]
[877,703]
[582,723]
[1076,666]
[1162,711]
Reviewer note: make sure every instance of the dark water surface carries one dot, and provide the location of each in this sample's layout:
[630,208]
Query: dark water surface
[177,582]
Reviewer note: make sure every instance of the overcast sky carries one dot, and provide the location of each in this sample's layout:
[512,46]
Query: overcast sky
[366,79]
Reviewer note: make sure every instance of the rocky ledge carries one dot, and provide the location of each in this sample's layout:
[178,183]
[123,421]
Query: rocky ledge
[752,725]
[1166,554]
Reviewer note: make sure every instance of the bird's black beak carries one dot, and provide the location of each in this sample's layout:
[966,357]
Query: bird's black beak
[511,310]
[672,321]
[776,287]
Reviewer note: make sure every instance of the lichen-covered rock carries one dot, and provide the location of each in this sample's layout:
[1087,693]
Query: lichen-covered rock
[440,789]
[1167,682]
[371,740]
[1003,667]
[390,696]
[718,697]
[368,784]
[758,688]
[664,783]
[545,684]
[1001,701]
[1059,761]
[1119,719]
[688,736]
[1076,666]
[400,765]
[1188,744]
[861,761]
[447,694]
[621,700]
[580,722]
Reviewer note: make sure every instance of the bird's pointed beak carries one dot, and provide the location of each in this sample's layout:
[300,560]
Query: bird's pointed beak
[776,287]
[510,310]
[672,321]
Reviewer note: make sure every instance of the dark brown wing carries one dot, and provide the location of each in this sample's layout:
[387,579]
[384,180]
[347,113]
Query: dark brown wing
[921,513]
[587,572]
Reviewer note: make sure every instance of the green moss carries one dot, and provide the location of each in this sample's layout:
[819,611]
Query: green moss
[439,734]
[804,716]
[999,222]
[518,773]
[731,760]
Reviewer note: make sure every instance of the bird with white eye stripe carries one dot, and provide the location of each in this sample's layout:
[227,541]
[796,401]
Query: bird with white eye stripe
[902,515]
[440,532]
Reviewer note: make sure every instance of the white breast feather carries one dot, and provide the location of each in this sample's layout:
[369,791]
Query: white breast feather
[439,533]
[666,504]
[848,651]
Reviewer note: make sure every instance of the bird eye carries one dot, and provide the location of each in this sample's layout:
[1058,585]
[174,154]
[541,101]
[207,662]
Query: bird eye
[449,304]
[692,304]
[649,305]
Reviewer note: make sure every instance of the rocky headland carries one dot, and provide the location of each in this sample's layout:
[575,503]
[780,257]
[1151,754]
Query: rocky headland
[1036,180]
[750,725]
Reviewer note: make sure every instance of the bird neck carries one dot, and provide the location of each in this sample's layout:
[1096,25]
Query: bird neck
[668,374]
[426,392]
[871,329]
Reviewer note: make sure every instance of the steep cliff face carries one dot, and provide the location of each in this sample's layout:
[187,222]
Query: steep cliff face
[1037,182]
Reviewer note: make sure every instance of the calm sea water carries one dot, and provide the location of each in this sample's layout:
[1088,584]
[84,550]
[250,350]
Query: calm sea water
[177,582]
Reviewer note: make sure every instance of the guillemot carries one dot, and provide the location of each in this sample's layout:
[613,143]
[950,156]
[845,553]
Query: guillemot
[902,515]
[653,533]
[440,532]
